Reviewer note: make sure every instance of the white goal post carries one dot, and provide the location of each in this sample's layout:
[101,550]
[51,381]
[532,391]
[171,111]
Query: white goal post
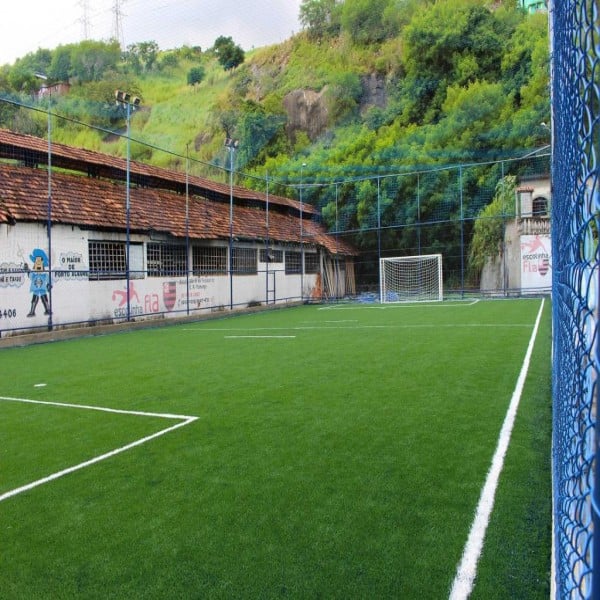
[411,278]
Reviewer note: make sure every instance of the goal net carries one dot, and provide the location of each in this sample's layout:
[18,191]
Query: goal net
[411,278]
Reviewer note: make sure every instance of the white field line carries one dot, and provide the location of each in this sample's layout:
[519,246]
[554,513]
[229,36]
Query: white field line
[467,569]
[351,327]
[269,337]
[336,321]
[183,421]
[393,305]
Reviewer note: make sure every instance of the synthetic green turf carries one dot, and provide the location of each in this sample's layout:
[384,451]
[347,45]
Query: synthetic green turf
[339,453]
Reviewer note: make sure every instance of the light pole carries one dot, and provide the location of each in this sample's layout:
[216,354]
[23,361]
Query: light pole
[125,99]
[301,234]
[49,201]
[232,146]
[187,227]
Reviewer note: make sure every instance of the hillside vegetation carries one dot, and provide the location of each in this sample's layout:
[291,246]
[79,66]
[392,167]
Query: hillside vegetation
[368,87]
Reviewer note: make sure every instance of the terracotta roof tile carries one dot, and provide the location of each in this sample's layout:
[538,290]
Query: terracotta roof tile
[101,204]
[32,149]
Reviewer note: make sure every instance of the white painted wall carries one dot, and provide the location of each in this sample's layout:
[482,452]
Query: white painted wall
[76,299]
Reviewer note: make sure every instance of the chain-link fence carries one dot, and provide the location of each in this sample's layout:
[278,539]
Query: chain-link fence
[435,211]
[575,31]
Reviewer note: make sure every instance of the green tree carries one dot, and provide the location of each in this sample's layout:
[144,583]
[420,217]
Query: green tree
[22,76]
[488,231]
[343,95]
[363,20]
[399,13]
[447,43]
[471,120]
[525,62]
[196,75]
[60,66]
[320,18]
[256,128]
[142,56]
[228,54]
[90,60]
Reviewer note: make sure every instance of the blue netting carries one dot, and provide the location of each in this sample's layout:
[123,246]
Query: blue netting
[575,32]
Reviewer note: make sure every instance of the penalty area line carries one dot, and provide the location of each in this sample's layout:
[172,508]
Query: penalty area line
[184,420]
[467,569]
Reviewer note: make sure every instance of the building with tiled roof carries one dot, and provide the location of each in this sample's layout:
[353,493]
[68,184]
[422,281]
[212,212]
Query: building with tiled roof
[78,247]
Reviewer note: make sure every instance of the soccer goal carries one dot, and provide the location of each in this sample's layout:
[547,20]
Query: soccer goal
[411,278]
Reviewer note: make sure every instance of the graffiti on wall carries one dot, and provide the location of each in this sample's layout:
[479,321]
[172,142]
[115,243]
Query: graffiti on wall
[70,266]
[170,296]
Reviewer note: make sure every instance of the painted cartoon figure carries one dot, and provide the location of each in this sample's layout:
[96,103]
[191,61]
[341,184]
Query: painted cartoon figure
[40,284]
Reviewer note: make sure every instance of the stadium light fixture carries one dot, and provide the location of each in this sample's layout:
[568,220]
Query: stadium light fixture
[231,145]
[130,103]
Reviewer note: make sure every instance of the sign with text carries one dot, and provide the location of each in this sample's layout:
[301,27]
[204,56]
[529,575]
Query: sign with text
[536,262]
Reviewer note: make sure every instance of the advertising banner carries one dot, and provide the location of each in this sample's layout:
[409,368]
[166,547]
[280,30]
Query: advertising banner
[536,262]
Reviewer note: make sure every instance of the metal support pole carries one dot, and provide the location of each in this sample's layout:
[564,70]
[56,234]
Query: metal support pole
[301,234]
[125,99]
[419,214]
[49,201]
[187,228]
[128,213]
[378,219]
[231,228]
[49,212]
[231,145]
[462,236]
[267,243]
[336,260]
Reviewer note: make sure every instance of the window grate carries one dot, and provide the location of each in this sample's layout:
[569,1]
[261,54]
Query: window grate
[209,260]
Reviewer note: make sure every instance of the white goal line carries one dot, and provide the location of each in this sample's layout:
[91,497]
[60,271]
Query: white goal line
[183,421]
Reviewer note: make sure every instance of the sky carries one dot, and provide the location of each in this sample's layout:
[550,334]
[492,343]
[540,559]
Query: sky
[27,26]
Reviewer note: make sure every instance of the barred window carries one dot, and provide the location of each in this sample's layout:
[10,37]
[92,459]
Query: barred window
[311,262]
[540,207]
[293,262]
[244,261]
[271,256]
[108,260]
[209,260]
[166,260]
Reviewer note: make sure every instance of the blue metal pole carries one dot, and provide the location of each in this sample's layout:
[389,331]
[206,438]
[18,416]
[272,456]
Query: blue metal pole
[187,228]
[49,212]
[301,234]
[231,151]
[127,213]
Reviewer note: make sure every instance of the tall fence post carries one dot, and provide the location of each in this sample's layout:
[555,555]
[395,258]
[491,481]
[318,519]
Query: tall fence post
[49,211]
[187,228]
[462,235]
[378,219]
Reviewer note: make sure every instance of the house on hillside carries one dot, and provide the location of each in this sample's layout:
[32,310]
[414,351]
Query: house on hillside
[532,6]
[525,265]
[79,247]
[54,90]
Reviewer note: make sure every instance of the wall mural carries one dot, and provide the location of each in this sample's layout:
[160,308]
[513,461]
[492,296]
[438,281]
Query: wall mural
[39,285]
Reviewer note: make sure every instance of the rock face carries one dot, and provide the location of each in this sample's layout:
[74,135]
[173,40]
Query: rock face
[307,111]
[373,86]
